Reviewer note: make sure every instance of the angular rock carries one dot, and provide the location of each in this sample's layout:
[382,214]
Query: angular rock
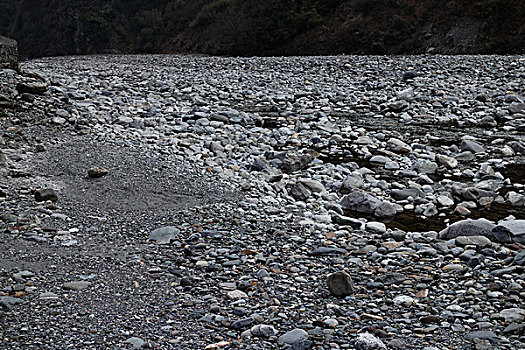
[472,146]
[300,192]
[293,162]
[515,199]
[510,231]
[385,210]
[424,166]
[360,202]
[519,259]
[46,194]
[97,171]
[483,335]
[340,284]
[365,203]
[351,182]
[517,146]
[9,303]
[446,161]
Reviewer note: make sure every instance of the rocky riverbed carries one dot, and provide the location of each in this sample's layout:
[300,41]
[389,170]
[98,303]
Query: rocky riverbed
[191,202]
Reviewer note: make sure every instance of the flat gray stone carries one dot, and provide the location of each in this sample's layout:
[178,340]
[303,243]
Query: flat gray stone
[478,241]
[48,296]
[512,315]
[483,335]
[135,342]
[76,285]
[293,337]
[8,303]
[320,251]
[164,235]
[468,228]
[23,275]
[33,87]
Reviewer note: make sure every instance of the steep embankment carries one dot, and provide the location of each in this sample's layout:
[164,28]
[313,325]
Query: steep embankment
[257,27]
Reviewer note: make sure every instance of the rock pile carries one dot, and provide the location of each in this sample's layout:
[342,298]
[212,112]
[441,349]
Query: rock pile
[306,202]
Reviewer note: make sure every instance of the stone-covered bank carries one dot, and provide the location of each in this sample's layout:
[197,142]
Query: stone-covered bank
[187,202]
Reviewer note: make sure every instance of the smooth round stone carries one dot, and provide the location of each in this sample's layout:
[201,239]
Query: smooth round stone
[135,342]
[445,201]
[380,159]
[375,227]
[237,294]
[392,165]
[331,322]
[453,268]
[293,337]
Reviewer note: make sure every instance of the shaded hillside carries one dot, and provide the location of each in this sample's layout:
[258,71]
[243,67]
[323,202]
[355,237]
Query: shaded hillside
[257,27]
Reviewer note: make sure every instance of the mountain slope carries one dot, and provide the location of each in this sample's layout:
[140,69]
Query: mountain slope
[257,27]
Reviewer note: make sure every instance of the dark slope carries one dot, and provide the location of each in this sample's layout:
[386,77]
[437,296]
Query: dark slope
[257,27]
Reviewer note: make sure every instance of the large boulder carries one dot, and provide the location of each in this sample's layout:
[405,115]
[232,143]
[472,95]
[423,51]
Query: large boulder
[8,53]
[468,227]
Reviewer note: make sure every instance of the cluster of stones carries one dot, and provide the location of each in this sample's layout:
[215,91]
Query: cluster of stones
[382,204]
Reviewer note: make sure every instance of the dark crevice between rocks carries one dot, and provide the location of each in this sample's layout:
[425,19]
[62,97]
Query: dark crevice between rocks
[410,222]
